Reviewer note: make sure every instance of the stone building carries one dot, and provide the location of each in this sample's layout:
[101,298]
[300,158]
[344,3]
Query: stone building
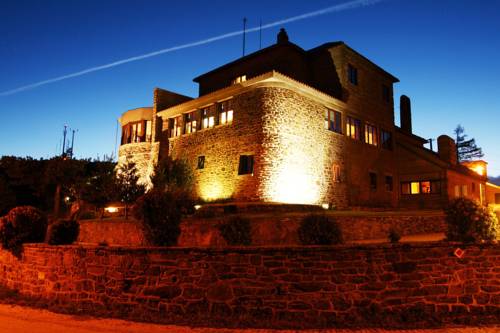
[289,125]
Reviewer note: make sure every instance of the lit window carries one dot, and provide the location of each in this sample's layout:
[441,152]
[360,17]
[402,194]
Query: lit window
[201,162]
[353,128]
[422,187]
[425,187]
[386,138]
[190,122]
[148,130]
[246,165]
[239,79]
[225,112]
[137,131]
[333,121]
[373,181]
[175,126]
[464,190]
[336,173]
[207,117]
[388,183]
[352,73]
[371,135]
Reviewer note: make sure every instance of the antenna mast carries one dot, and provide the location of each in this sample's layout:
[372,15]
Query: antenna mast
[244,33]
[64,141]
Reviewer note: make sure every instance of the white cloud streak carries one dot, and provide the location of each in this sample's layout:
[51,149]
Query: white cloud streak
[332,9]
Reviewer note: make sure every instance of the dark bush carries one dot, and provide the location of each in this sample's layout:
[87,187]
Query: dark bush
[468,221]
[63,232]
[161,213]
[394,236]
[236,231]
[23,224]
[319,230]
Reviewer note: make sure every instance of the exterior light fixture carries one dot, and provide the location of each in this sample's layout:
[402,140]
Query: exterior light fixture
[197,207]
[325,206]
[111,209]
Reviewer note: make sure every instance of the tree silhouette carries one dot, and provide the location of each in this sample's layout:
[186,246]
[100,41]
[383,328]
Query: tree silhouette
[126,181]
[467,150]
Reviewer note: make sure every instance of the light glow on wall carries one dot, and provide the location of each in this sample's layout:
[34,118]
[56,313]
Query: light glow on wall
[211,190]
[479,169]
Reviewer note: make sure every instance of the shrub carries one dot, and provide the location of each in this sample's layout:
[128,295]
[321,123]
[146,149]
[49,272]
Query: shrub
[470,222]
[23,224]
[394,236]
[319,230]
[63,232]
[161,214]
[236,231]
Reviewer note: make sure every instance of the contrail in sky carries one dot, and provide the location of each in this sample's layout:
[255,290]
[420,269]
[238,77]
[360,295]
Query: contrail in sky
[332,9]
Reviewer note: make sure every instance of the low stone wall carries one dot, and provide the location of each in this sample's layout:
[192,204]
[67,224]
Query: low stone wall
[268,229]
[281,229]
[111,232]
[314,287]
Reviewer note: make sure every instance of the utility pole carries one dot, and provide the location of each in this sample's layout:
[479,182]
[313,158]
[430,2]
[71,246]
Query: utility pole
[72,142]
[244,33]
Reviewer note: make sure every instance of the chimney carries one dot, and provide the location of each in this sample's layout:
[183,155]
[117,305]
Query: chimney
[447,149]
[282,37]
[405,113]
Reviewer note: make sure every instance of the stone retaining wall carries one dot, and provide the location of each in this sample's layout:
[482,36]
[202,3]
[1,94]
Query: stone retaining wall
[277,229]
[315,287]
[281,229]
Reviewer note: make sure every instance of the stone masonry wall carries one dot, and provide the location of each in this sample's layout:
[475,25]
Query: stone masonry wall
[315,287]
[222,147]
[281,229]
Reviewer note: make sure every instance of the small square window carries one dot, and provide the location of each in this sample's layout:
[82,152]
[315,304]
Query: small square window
[201,162]
[246,165]
[373,181]
[352,73]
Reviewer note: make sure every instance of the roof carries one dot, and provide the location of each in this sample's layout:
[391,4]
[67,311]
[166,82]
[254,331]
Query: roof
[252,55]
[298,49]
[341,43]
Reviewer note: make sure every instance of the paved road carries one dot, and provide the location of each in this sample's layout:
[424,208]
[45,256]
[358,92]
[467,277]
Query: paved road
[17,319]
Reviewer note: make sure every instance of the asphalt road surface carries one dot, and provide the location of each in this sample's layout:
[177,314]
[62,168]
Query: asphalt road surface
[17,319]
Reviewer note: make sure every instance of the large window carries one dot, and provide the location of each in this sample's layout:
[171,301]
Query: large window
[137,131]
[371,135]
[208,117]
[336,173]
[175,126]
[190,122]
[421,187]
[353,128]
[225,112]
[386,139]
[333,121]
[352,74]
[246,165]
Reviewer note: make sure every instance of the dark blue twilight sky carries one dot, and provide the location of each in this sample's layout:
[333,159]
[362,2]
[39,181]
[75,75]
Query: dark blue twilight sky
[446,54]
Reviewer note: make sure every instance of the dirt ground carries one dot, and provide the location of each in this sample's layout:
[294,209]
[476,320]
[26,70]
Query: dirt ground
[18,319]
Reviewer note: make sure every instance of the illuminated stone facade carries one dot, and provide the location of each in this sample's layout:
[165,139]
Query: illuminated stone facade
[294,126]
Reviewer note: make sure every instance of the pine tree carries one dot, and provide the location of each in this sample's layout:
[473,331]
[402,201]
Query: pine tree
[467,150]
[127,182]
